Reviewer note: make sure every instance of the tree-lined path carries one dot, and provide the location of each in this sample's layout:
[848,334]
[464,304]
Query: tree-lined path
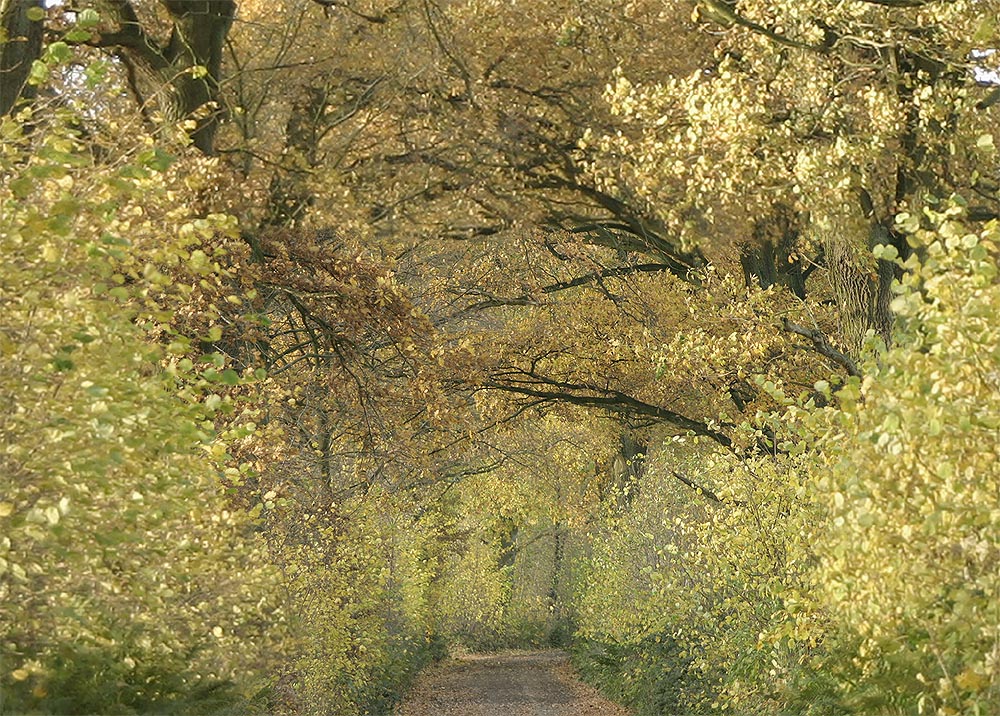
[336,334]
[517,684]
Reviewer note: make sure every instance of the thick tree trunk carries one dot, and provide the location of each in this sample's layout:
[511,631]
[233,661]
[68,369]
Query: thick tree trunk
[21,46]
[861,285]
[624,472]
[184,73]
[291,196]
[198,38]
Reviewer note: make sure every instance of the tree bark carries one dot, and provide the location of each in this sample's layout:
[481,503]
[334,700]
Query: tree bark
[21,46]
[196,41]
[862,288]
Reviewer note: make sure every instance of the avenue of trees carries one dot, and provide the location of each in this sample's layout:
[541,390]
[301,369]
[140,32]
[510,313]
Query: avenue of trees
[338,333]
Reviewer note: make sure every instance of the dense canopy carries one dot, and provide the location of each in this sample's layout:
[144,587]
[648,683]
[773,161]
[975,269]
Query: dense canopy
[339,333]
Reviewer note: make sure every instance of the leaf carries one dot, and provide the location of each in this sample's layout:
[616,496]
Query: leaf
[156,159]
[970,680]
[87,18]
[58,52]
[35,13]
[22,187]
[39,73]
[77,34]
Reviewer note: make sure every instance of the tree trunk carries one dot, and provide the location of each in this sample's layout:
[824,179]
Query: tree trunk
[772,257]
[624,472]
[21,46]
[558,547]
[197,40]
[291,196]
[861,285]
[184,72]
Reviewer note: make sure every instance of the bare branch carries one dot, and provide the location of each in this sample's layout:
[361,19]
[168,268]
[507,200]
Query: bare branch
[823,347]
[596,276]
[701,489]
[611,400]
[724,12]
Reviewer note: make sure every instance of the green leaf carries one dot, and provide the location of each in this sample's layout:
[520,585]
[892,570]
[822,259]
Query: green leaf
[58,52]
[39,73]
[22,187]
[886,252]
[35,13]
[77,34]
[130,171]
[88,17]
[156,159]
[230,377]
[986,32]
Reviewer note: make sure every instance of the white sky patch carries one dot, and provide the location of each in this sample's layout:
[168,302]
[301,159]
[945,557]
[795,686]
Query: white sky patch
[987,69]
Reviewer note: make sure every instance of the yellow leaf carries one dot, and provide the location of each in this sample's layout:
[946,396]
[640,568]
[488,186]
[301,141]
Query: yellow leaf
[970,680]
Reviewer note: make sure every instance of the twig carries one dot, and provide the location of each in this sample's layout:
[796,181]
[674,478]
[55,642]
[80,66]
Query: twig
[704,490]
[823,347]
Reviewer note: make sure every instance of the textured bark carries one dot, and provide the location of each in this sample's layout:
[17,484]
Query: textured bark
[199,34]
[197,39]
[291,196]
[22,45]
[624,472]
[861,285]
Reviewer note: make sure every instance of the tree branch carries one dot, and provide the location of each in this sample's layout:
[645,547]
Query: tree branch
[704,490]
[596,276]
[900,3]
[823,347]
[611,400]
[723,12]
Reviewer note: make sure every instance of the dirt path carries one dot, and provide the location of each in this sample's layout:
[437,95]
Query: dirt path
[539,683]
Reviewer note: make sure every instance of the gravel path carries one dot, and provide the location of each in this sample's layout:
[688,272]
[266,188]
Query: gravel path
[538,683]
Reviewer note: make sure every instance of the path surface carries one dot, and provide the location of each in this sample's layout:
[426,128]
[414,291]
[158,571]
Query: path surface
[539,683]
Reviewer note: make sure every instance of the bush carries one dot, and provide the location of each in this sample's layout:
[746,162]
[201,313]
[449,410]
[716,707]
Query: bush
[653,676]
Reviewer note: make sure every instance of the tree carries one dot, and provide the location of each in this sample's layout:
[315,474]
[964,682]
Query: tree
[850,114]
[176,74]
[127,580]
[21,28]
[540,317]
